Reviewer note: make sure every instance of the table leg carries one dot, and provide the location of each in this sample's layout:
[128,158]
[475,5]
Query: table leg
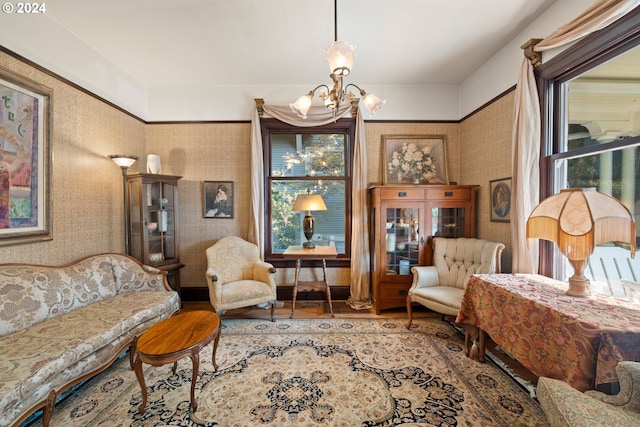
[482,338]
[326,285]
[295,287]
[195,360]
[137,367]
[215,349]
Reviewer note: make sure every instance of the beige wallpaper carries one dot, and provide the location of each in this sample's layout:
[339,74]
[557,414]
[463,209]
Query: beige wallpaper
[486,144]
[87,186]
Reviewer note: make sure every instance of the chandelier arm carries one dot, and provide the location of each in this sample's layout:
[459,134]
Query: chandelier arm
[313,92]
[362,92]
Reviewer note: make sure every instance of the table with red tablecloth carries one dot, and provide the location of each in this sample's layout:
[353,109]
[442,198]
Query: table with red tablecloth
[579,340]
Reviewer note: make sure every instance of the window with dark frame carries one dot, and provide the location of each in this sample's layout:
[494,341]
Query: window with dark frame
[299,160]
[590,127]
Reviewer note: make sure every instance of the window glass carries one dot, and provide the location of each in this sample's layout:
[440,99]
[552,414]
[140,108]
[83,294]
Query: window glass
[596,145]
[316,162]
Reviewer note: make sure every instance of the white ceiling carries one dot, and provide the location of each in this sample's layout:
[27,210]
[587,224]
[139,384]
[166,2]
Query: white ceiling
[200,43]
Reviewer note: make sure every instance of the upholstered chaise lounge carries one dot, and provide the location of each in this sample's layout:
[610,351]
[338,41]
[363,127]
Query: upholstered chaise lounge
[61,325]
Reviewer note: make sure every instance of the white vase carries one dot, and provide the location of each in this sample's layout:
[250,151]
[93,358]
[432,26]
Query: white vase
[153,163]
[391,242]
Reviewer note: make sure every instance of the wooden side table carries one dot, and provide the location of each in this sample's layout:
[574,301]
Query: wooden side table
[174,338]
[318,253]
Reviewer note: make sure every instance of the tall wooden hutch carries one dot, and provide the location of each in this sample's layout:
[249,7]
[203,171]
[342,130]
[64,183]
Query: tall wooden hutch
[153,223]
[403,221]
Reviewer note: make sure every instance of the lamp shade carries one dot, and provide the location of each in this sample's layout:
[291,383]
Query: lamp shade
[578,220]
[340,56]
[301,106]
[373,103]
[309,202]
[122,160]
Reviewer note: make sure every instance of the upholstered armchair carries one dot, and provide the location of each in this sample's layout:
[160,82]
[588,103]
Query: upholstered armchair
[565,406]
[237,277]
[440,287]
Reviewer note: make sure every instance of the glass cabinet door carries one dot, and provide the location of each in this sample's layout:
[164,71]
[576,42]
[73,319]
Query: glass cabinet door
[402,237]
[448,222]
[160,223]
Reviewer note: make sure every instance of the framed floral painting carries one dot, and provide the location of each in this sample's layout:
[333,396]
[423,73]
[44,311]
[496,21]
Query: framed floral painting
[414,159]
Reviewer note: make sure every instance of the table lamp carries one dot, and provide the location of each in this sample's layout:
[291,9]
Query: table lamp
[577,220]
[309,202]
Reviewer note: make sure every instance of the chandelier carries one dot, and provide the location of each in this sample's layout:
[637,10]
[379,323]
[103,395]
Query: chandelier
[340,56]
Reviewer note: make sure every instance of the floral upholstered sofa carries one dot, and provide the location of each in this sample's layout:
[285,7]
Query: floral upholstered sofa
[565,406]
[60,325]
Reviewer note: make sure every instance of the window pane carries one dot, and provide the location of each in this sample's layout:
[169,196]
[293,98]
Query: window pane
[286,224]
[614,173]
[307,154]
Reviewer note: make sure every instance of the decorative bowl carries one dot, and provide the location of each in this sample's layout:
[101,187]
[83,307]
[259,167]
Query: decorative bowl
[152,226]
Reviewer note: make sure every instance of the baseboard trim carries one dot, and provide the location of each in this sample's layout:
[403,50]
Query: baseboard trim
[197,294]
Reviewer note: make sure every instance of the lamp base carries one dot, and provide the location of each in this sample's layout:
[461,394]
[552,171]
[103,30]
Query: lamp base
[308,245]
[578,286]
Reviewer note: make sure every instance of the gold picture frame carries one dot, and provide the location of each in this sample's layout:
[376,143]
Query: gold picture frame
[25,160]
[414,159]
[500,200]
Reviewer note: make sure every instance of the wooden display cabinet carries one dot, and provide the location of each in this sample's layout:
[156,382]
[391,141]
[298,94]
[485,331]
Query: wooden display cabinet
[403,221]
[153,223]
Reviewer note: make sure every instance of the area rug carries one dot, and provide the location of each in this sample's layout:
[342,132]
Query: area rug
[321,372]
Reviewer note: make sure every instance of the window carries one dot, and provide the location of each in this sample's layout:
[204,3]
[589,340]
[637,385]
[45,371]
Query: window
[302,160]
[590,97]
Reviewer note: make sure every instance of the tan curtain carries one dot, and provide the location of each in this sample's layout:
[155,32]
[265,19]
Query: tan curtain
[526,120]
[318,116]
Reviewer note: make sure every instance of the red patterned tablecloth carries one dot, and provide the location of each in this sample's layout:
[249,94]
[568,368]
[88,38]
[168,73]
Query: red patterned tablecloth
[578,340]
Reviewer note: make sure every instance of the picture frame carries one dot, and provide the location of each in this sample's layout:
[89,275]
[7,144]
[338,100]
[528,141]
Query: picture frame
[218,199]
[25,160]
[414,159]
[500,200]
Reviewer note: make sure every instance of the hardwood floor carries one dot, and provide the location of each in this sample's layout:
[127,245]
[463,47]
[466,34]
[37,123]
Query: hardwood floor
[308,310]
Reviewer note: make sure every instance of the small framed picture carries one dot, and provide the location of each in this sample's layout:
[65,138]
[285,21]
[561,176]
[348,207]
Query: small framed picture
[500,199]
[414,159]
[218,199]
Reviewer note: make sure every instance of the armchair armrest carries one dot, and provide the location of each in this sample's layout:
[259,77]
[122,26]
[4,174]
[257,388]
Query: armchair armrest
[629,395]
[424,276]
[264,272]
[212,274]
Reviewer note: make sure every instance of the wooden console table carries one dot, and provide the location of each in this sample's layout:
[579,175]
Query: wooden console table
[577,340]
[317,253]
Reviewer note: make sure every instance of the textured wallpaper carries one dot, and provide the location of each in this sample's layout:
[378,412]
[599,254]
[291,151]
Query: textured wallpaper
[87,186]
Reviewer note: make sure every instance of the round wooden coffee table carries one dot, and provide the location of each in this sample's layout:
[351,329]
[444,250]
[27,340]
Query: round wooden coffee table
[174,338]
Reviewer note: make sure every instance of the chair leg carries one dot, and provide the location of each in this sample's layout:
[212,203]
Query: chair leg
[273,309]
[409,312]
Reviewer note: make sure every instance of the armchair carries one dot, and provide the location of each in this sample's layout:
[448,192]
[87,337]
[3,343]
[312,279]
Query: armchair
[565,406]
[237,277]
[440,287]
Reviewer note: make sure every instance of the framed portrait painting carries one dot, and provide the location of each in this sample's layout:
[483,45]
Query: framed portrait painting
[414,159]
[25,159]
[500,199]
[218,199]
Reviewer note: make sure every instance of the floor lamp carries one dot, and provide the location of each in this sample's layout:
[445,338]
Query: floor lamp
[124,162]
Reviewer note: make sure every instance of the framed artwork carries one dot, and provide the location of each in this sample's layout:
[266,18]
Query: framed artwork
[218,199]
[414,159]
[500,199]
[25,160]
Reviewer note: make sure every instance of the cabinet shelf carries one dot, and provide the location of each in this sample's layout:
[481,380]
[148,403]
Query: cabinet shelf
[153,223]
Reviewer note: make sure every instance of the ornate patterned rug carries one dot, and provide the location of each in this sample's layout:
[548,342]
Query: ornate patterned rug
[321,372]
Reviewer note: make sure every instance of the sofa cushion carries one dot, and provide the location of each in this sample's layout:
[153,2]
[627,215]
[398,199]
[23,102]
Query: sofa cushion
[32,357]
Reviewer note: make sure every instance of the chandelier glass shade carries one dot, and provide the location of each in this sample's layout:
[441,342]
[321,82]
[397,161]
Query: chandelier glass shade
[340,56]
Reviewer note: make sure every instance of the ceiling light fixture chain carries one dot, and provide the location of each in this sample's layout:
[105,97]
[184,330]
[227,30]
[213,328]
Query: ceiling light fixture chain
[340,56]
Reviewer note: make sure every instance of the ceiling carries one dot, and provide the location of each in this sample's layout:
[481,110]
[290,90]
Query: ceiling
[200,43]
